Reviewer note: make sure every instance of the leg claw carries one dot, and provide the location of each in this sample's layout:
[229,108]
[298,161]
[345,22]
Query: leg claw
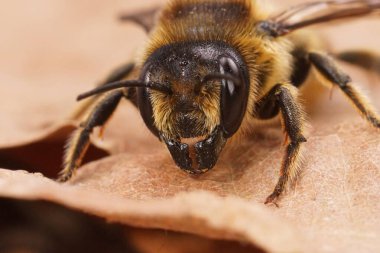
[272,199]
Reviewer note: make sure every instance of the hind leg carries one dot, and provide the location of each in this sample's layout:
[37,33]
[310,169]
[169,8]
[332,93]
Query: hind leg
[327,67]
[365,59]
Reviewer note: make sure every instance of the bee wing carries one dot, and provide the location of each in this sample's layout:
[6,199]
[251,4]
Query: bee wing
[307,14]
[145,18]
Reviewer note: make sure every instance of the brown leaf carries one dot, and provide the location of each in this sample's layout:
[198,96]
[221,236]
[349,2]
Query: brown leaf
[174,242]
[197,212]
[334,205]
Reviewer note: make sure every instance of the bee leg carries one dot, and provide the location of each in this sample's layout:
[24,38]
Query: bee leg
[283,98]
[365,59]
[118,74]
[326,66]
[79,142]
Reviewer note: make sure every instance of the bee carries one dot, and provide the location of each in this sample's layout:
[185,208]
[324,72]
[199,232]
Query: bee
[211,69]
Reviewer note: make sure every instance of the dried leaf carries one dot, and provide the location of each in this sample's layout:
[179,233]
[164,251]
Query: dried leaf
[197,212]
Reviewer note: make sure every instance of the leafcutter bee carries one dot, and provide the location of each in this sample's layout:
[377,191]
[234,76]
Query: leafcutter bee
[210,67]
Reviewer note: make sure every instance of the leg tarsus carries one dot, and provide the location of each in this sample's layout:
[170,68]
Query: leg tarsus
[289,171]
[272,199]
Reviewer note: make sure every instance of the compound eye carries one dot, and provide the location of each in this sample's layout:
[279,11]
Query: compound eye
[233,98]
[146,110]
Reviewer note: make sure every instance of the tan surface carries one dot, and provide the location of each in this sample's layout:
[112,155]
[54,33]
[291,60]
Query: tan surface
[53,50]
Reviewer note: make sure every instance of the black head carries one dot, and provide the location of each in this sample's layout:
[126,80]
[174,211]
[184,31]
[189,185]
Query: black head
[208,88]
[208,84]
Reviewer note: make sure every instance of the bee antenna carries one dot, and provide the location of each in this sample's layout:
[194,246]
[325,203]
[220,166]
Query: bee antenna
[220,76]
[124,84]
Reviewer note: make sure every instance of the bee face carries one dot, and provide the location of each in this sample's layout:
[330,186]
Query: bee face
[201,102]
[192,107]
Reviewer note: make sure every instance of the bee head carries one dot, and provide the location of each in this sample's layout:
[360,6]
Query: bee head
[206,92]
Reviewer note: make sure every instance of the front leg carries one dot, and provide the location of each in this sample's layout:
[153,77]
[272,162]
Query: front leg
[283,98]
[80,140]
